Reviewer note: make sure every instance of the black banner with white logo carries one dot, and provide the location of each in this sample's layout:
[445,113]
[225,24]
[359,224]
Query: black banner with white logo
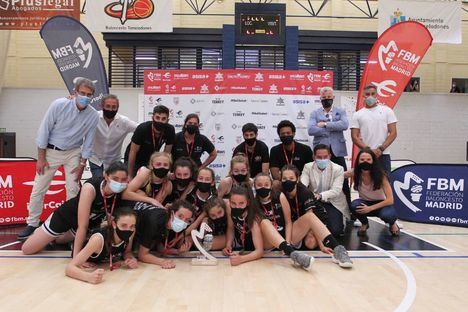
[76,54]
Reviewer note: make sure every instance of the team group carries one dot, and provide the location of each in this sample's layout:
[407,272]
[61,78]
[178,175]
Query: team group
[289,198]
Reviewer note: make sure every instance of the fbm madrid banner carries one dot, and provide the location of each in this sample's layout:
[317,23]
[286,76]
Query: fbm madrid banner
[442,18]
[32,14]
[225,100]
[431,193]
[129,15]
[16,182]
[75,54]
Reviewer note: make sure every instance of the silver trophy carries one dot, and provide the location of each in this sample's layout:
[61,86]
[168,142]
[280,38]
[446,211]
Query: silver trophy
[204,234]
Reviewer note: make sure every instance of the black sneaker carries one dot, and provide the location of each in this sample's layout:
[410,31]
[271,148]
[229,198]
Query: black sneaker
[27,232]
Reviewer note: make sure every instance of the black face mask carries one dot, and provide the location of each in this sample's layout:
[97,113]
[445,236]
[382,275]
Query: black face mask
[288,186]
[108,113]
[365,166]
[250,141]
[237,212]
[182,182]
[191,129]
[287,139]
[123,235]
[239,177]
[203,187]
[159,126]
[263,192]
[160,172]
[326,103]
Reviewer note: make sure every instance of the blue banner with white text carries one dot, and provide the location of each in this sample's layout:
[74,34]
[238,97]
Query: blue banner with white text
[431,193]
[75,54]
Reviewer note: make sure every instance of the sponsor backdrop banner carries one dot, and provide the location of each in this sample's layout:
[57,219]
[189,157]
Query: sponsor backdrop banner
[16,182]
[129,15]
[76,54]
[392,62]
[29,14]
[431,193]
[442,18]
[225,100]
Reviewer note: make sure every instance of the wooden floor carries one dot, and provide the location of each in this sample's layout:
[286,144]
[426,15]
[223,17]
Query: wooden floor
[376,283]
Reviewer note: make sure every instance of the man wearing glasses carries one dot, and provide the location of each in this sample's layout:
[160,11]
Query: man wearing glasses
[374,126]
[327,124]
[65,138]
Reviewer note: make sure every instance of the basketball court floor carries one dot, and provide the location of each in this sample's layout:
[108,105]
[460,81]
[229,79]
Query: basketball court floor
[425,269]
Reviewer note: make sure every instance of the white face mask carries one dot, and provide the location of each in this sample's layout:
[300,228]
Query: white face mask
[117,187]
[371,101]
[178,225]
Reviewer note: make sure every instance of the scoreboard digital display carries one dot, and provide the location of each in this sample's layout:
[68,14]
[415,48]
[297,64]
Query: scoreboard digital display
[260,24]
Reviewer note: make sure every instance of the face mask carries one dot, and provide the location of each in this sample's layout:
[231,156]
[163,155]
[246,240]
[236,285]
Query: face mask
[287,139]
[83,100]
[203,187]
[117,187]
[109,113]
[326,103]
[370,100]
[263,192]
[365,166]
[237,212]
[159,126]
[322,163]
[160,172]
[182,182]
[123,235]
[177,225]
[239,177]
[192,129]
[288,186]
[250,141]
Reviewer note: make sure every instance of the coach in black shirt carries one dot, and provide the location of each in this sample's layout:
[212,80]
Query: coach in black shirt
[289,152]
[255,150]
[189,142]
[149,137]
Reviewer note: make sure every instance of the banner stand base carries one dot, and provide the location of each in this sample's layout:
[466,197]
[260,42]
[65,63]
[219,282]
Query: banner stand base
[202,261]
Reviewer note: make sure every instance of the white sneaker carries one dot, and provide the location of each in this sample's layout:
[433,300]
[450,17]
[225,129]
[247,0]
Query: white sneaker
[357,223]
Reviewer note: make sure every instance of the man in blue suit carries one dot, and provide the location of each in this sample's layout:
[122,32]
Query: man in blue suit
[327,124]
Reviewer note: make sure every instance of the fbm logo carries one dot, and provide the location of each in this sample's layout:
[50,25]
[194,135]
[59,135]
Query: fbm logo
[6,182]
[69,57]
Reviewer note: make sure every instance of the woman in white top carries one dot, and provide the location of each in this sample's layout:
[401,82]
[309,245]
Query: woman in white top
[375,193]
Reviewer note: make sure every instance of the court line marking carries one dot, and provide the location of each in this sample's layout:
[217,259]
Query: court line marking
[410,294]
[441,234]
[9,244]
[414,235]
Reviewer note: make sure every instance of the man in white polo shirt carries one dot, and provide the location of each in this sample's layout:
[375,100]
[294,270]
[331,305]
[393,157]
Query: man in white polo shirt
[374,126]
[110,134]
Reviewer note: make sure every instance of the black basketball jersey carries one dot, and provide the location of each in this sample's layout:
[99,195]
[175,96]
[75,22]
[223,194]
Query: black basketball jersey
[118,250]
[274,212]
[218,226]
[242,233]
[197,202]
[68,211]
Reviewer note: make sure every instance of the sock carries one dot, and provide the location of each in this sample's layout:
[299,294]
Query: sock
[330,242]
[284,246]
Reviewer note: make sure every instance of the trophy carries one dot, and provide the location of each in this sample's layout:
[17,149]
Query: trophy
[205,258]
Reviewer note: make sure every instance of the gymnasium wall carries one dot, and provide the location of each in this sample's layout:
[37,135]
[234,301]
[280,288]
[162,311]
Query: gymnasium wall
[28,64]
[431,127]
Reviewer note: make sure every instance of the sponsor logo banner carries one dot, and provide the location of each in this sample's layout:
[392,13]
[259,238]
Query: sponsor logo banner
[129,16]
[431,193]
[16,182]
[32,14]
[441,18]
[76,54]
[236,82]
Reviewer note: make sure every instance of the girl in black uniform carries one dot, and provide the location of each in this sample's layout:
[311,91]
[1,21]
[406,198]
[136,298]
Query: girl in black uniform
[111,243]
[151,184]
[216,218]
[249,229]
[153,228]
[239,174]
[307,217]
[184,173]
[204,190]
[86,211]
